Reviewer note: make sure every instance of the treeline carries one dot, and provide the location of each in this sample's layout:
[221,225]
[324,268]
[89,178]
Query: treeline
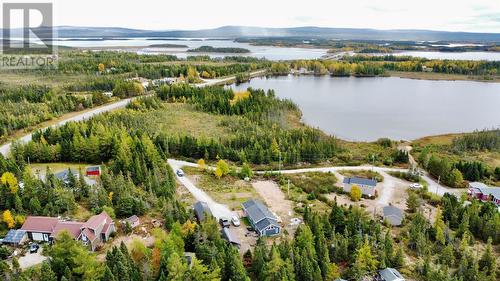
[407,63]
[364,65]
[478,141]
[257,138]
[30,105]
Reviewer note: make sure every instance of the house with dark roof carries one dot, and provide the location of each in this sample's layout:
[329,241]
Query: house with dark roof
[393,215]
[65,174]
[231,237]
[201,211]
[261,219]
[367,186]
[480,191]
[390,274]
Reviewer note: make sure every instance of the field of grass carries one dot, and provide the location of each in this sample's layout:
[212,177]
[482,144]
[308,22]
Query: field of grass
[228,190]
[441,76]
[183,119]
[314,182]
[41,168]
[442,145]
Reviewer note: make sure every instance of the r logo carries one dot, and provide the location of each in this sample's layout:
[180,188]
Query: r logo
[18,34]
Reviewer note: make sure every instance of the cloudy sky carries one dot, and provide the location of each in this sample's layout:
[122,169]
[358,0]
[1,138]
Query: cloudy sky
[452,15]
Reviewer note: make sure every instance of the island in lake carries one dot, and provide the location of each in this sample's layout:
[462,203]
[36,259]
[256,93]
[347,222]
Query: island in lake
[210,49]
[166,45]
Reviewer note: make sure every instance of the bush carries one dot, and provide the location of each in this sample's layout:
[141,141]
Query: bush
[355,193]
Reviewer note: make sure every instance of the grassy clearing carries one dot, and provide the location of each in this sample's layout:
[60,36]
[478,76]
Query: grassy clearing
[358,153]
[442,146]
[183,119]
[41,168]
[315,182]
[55,80]
[367,174]
[228,190]
[440,76]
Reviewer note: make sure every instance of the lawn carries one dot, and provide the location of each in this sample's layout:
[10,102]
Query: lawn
[228,190]
[367,174]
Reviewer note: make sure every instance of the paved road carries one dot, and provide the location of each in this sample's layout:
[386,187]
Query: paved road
[218,210]
[5,148]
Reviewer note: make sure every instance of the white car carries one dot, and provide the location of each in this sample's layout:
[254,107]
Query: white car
[180,173]
[415,186]
[235,221]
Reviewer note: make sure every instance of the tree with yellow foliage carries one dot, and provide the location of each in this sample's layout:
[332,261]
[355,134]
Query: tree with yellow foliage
[10,180]
[355,193]
[222,169]
[101,67]
[201,164]
[8,219]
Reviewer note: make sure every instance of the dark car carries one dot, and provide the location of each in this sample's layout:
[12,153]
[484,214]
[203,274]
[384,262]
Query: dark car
[224,222]
[34,248]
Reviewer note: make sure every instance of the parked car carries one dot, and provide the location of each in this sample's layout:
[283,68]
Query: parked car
[235,221]
[180,173]
[415,186]
[224,222]
[34,248]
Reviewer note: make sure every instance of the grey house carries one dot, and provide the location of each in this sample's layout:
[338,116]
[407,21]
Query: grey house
[393,215]
[201,210]
[231,237]
[367,186]
[261,219]
[390,274]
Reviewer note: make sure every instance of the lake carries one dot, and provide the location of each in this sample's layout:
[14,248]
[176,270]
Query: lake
[140,45]
[365,109]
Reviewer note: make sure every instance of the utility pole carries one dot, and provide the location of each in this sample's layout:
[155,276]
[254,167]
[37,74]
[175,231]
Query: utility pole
[288,189]
[279,162]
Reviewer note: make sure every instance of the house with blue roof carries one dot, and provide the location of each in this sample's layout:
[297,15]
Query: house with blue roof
[367,186]
[261,219]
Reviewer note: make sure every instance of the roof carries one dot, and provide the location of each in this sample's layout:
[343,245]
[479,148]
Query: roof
[14,236]
[93,168]
[39,224]
[486,190]
[230,236]
[256,211]
[265,223]
[360,181]
[390,274]
[200,208]
[393,215]
[132,219]
[73,228]
[89,234]
[64,175]
[95,221]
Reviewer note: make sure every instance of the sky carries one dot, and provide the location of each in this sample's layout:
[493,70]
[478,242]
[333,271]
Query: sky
[449,15]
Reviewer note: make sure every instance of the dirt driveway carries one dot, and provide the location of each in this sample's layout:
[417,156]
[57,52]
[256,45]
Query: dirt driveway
[30,260]
[275,199]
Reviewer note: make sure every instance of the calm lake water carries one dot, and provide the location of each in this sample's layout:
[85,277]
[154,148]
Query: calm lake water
[365,109]
[268,52]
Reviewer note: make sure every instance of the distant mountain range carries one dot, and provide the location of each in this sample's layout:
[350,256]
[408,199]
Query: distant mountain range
[306,32]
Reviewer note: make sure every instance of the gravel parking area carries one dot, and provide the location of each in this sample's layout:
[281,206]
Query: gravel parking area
[30,260]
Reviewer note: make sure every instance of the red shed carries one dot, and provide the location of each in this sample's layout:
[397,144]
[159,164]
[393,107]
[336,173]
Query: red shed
[93,171]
